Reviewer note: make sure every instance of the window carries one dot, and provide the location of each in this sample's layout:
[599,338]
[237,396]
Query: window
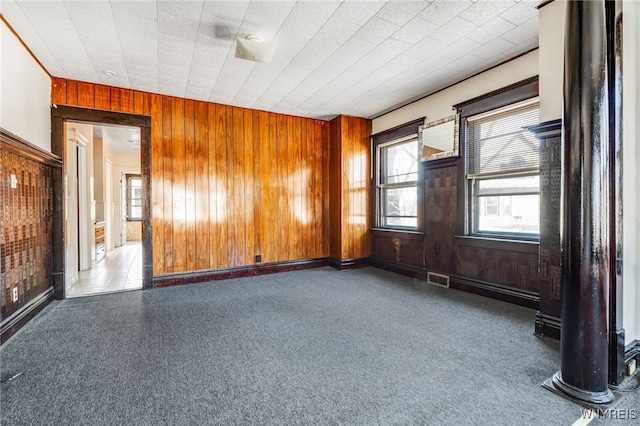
[397,183]
[503,171]
[134,198]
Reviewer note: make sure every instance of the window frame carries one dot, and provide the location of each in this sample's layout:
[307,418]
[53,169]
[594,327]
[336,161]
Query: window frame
[402,132]
[129,178]
[382,188]
[505,97]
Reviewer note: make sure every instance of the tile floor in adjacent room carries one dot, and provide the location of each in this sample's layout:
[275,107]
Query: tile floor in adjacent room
[119,270]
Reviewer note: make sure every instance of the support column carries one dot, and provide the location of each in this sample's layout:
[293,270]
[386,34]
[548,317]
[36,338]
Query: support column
[586,213]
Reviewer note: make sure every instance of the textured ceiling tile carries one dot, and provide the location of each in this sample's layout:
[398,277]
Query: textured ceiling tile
[453,30]
[492,48]
[189,10]
[336,31]
[490,30]
[442,11]
[460,47]
[483,11]
[401,12]
[358,12]
[140,9]
[135,25]
[376,30]
[265,18]
[299,30]
[316,12]
[176,27]
[425,48]
[415,30]
[521,12]
[524,32]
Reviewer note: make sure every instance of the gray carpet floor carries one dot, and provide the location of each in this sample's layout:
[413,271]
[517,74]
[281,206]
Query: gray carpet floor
[358,347]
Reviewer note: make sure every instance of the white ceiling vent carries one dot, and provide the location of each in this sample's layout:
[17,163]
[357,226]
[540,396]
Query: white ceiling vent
[253,48]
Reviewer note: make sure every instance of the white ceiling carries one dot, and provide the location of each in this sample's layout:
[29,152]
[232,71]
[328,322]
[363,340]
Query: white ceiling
[122,139]
[360,58]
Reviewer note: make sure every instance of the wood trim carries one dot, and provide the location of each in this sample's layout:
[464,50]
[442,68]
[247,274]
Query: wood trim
[441,163]
[19,319]
[400,268]
[547,326]
[524,89]
[399,131]
[24,44]
[632,350]
[494,291]
[166,280]
[405,234]
[530,247]
[17,145]
[348,263]
[62,113]
[547,129]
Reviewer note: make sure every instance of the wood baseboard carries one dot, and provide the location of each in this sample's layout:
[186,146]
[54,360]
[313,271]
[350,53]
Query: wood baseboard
[495,291]
[348,263]
[166,280]
[547,326]
[19,319]
[399,268]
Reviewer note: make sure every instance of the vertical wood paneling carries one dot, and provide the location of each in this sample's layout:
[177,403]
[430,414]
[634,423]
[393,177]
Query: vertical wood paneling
[190,184]
[85,95]
[349,180]
[167,172]
[157,172]
[214,218]
[248,185]
[223,199]
[266,204]
[257,182]
[102,97]
[202,179]
[58,91]
[178,178]
[227,183]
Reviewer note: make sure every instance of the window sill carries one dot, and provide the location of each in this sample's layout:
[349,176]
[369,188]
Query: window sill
[520,246]
[410,234]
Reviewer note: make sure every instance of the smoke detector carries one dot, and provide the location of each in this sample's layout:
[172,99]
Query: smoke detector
[253,48]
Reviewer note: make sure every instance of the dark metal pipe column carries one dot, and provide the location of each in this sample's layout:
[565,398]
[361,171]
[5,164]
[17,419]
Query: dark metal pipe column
[585,217]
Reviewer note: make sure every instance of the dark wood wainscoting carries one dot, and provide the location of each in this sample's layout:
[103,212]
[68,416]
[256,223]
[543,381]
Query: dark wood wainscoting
[501,269]
[26,196]
[548,316]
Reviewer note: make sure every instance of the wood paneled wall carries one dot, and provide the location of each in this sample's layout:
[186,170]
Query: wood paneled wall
[349,172]
[26,205]
[227,183]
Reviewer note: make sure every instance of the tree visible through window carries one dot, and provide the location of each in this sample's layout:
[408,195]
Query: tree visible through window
[134,197]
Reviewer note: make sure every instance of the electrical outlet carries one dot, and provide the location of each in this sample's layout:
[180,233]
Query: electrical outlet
[15,294]
[258,258]
[631,367]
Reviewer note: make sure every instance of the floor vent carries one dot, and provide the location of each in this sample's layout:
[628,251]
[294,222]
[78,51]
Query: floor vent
[438,279]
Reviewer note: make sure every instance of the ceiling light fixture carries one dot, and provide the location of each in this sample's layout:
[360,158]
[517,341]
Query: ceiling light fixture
[109,73]
[253,48]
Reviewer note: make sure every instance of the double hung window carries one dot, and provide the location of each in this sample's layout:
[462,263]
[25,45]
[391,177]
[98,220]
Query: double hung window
[397,183]
[503,171]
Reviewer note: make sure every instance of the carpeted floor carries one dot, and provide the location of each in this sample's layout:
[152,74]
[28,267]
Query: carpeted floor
[359,347]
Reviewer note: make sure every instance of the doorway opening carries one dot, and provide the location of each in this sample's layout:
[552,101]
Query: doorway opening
[104,240]
[101,219]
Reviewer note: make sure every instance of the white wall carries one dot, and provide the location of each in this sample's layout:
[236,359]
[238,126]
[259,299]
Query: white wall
[551,69]
[127,164]
[631,173]
[439,105]
[25,92]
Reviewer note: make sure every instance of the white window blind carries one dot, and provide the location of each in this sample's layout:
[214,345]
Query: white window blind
[499,143]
